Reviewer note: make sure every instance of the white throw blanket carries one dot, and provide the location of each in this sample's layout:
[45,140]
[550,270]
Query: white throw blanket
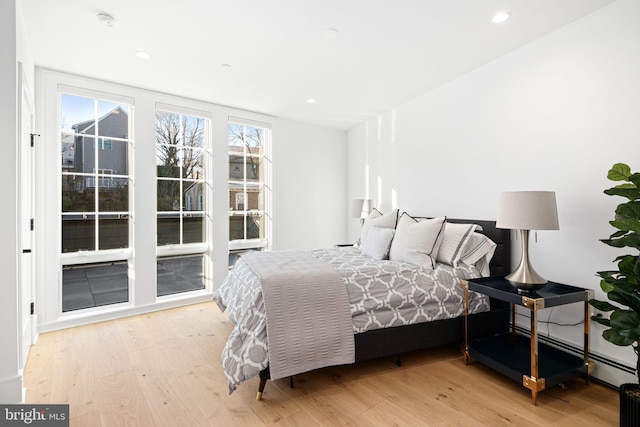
[309,323]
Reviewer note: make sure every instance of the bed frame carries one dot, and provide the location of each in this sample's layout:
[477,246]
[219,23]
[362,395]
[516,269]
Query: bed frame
[403,339]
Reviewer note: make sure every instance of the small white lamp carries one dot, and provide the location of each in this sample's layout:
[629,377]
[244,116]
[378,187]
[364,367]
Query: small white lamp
[360,208]
[525,211]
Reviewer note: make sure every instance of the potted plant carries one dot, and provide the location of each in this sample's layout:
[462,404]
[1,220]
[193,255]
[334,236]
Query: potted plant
[622,286]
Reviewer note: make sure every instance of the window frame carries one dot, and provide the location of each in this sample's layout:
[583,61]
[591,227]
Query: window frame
[198,248]
[266,184]
[141,255]
[96,256]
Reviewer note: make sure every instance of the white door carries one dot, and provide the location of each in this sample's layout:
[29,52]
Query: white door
[26,287]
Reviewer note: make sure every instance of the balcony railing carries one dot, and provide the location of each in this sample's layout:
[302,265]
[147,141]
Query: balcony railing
[102,182]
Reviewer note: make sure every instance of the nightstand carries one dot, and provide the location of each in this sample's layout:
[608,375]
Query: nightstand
[536,365]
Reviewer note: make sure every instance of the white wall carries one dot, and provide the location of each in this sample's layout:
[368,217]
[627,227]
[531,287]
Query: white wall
[10,378]
[552,115]
[15,49]
[310,191]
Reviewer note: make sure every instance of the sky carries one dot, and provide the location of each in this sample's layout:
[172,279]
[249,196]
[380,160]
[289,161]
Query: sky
[76,109]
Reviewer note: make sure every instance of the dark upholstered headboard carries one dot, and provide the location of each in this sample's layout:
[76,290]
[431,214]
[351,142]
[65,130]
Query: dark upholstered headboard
[501,262]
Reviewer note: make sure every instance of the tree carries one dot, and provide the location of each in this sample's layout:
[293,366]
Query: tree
[179,154]
[252,141]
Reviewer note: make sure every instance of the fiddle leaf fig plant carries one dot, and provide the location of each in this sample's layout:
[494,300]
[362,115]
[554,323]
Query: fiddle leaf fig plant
[622,286]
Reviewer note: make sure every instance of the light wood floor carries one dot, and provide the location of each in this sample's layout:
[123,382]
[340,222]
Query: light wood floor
[163,369]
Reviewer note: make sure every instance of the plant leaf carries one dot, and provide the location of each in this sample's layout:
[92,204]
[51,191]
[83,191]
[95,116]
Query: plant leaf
[628,299]
[601,320]
[635,178]
[614,337]
[627,264]
[627,279]
[631,240]
[628,210]
[610,273]
[626,323]
[619,172]
[617,234]
[629,191]
[606,286]
[603,305]
[626,224]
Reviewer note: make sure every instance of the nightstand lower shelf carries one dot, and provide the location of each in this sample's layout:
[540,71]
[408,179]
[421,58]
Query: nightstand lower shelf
[510,355]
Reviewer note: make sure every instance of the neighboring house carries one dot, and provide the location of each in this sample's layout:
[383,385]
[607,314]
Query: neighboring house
[112,154]
[68,152]
[193,197]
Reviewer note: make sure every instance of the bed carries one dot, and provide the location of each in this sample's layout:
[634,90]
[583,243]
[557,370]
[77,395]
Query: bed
[411,322]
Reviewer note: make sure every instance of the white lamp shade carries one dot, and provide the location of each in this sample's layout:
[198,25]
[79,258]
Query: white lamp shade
[528,210]
[360,208]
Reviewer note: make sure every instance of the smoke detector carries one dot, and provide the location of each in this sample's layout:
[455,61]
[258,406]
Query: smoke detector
[106,19]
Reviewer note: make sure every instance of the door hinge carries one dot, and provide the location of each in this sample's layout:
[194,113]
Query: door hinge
[33,135]
[32,224]
[33,308]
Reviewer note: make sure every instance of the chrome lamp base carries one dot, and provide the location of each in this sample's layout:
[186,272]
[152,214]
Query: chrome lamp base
[525,278]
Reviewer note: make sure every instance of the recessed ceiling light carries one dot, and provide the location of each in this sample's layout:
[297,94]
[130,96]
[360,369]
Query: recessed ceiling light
[330,34]
[311,101]
[225,66]
[500,17]
[106,19]
[143,55]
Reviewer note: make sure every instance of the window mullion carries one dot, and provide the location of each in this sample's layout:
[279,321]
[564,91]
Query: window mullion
[96,185]
[244,182]
[181,136]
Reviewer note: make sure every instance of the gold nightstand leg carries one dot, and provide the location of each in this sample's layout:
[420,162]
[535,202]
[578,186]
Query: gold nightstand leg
[465,291]
[587,319]
[534,356]
[535,385]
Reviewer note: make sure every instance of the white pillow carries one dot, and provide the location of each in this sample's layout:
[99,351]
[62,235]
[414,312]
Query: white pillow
[376,219]
[417,242]
[377,243]
[455,240]
[479,252]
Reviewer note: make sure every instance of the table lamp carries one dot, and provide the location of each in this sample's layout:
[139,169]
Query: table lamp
[525,211]
[360,208]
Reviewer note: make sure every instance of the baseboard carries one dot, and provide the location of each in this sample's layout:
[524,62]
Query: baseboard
[608,371]
[11,389]
[34,329]
[111,314]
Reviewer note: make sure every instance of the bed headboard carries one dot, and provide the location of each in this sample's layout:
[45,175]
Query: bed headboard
[501,263]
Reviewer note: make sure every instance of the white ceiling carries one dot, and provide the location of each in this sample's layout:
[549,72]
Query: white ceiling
[387,51]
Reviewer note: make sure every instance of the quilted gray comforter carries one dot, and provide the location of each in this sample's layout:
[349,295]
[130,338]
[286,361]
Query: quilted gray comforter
[381,294]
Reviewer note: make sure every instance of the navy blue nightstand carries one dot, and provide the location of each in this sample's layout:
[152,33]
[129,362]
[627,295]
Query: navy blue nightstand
[520,357]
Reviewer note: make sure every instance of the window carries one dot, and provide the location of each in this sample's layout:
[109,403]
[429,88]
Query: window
[249,185]
[131,213]
[94,285]
[180,168]
[181,153]
[95,183]
[96,199]
[104,143]
[178,274]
